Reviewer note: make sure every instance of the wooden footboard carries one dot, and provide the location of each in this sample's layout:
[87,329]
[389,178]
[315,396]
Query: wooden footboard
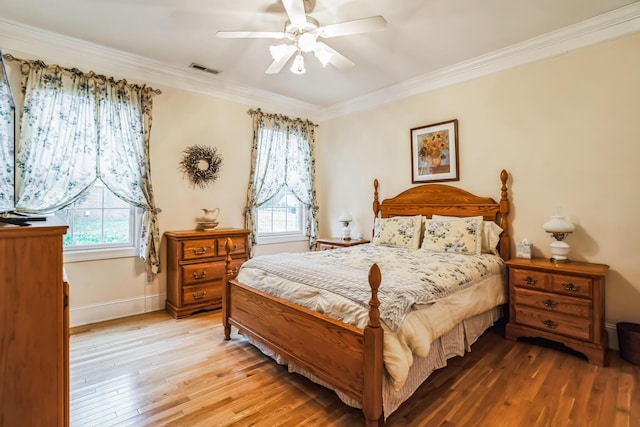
[346,358]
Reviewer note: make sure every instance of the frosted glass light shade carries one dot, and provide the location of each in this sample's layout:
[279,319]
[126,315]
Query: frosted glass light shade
[345,216]
[557,224]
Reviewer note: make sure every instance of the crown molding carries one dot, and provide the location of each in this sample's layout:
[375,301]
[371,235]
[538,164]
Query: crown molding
[614,24]
[28,42]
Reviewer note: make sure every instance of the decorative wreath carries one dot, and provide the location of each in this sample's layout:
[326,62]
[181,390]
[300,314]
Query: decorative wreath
[201,165]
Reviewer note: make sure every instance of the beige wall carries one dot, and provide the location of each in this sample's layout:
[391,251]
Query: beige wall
[568,131]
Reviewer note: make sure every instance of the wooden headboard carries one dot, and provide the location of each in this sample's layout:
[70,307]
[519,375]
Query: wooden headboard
[440,199]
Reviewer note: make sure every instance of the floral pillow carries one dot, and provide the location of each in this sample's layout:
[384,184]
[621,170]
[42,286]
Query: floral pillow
[460,236]
[490,233]
[398,231]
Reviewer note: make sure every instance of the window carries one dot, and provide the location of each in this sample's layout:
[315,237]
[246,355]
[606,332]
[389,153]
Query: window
[282,216]
[99,222]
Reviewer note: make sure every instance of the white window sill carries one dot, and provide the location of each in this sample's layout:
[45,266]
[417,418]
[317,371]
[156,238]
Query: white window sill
[98,254]
[272,240]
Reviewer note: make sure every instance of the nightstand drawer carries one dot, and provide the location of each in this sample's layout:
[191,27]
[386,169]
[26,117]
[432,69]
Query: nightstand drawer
[198,249]
[570,326]
[571,285]
[529,279]
[211,291]
[552,302]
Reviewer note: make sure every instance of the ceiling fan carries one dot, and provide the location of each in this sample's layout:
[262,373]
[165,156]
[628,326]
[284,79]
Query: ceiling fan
[303,32]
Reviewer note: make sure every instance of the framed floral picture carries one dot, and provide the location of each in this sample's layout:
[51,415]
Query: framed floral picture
[434,152]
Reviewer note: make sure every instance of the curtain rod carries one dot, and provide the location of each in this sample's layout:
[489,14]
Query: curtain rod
[253,112]
[10,58]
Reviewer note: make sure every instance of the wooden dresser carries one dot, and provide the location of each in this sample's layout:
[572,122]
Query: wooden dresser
[34,326]
[196,265]
[563,302]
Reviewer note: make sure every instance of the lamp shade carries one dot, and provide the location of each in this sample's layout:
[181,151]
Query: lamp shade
[345,216]
[557,224]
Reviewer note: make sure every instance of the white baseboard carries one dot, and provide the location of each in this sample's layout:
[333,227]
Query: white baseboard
[109,310]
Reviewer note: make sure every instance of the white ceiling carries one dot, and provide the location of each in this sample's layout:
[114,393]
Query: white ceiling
[422,36]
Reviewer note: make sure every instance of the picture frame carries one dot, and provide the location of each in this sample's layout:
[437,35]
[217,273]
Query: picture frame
[434,152]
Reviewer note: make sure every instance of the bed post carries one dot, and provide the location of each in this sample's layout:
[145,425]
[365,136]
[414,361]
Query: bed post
[376,204]
[226,291]
[505,251]
[373,362]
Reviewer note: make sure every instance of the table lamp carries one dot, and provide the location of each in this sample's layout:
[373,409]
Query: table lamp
[345,218]
[559,228]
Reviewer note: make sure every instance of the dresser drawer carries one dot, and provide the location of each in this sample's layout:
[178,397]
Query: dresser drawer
[575,327]
[198,249]
[198,273]
[571,285]
[580,307]
[211,291]
[529,279]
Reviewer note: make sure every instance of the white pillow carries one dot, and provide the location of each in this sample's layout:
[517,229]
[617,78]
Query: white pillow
[490,232]
[461,236]
[398,231]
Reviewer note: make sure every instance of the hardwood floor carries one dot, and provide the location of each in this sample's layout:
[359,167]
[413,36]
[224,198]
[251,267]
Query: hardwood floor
[153,370]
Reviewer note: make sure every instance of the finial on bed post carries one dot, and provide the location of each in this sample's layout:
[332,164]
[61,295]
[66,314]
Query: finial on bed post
[504,211]
[373,361]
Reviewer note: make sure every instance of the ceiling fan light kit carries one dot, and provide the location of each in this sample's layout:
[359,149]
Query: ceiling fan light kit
[304,32]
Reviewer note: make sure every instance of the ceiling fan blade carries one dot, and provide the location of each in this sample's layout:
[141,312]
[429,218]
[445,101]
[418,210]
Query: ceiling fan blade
[336,59]
[252,35]
[279,63]
[295,11]
[364,25]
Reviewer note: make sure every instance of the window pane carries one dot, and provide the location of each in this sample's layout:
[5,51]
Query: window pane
[87,226]
[116,225]
[112,201]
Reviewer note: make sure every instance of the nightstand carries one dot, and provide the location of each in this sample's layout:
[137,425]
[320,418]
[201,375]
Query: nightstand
[563,302]
[338,242]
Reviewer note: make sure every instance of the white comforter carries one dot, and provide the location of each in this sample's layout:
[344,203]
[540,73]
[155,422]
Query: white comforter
[466,286]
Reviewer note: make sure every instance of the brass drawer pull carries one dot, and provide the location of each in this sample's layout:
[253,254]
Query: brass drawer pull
[196,296]
[549,303]
[550,324]
[201,251]
[530,280]
[571,287]
[201,276]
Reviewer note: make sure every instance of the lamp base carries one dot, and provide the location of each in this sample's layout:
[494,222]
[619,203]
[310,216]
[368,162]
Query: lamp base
[346,233]
[559,251]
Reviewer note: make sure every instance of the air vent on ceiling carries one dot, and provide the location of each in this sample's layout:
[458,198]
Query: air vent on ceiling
[203,68]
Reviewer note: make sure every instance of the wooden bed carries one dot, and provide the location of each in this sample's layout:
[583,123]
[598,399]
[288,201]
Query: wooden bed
[345,358]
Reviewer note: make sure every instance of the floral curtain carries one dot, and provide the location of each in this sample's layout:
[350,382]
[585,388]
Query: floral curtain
[78,127]
[282,155]
[7,121]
